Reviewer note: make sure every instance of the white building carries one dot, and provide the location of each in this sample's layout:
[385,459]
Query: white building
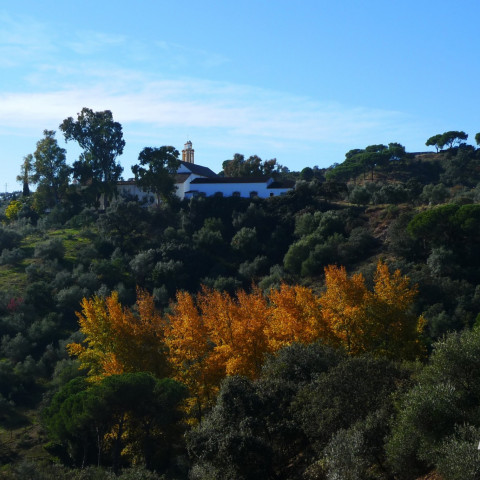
[195,180]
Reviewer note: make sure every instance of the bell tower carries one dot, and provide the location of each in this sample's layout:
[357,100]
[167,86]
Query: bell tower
[188,153]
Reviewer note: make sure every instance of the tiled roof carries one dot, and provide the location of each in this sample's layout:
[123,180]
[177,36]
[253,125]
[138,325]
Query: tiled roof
[199,170]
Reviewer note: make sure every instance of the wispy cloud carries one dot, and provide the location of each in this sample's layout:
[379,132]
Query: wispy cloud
[90,43]
[194,103]
[22,40]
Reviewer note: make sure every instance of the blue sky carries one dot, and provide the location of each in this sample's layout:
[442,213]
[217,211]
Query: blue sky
[303,81]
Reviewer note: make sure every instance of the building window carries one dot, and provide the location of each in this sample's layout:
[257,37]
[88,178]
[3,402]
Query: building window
[218,194]
[235,194]
[272,194]
[253,194]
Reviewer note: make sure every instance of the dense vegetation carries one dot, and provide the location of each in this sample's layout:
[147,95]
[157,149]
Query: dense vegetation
[330,333]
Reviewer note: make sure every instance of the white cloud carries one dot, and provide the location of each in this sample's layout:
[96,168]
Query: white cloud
[240,111]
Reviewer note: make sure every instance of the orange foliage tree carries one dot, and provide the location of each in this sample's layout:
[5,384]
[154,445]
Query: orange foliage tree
[119,340]
[213,334]
[393,329]
[379,321]
[295,316]
[343,309]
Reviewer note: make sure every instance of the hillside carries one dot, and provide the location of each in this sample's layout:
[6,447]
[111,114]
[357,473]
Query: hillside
[418,214]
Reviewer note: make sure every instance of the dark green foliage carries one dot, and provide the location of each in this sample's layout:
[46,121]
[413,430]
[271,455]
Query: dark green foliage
[458,457]
[135,404]
[434,194]
[9,238]
[253,166]
[455,228]
[102,141]
[310,406]
[449,139]
[11,257]
[52,249]
[230,442]
[31,470]
[345,395]
[461,167]
[326,238]
[125,225]
[254,269]
[51,172]
[360,195]
[156,171]
[437,413]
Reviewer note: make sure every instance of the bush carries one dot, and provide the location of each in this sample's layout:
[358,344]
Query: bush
[52,249]
[11,257]
[9,238]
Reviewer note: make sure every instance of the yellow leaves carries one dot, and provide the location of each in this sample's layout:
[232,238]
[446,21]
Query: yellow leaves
[117,340]
[213,334]
[380,322]
[393,288]
[295,316]
[343,307]
[189,349]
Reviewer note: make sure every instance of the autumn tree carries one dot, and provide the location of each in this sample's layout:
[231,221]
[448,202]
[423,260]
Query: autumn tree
[215,336]
[393,330]
[380,321]
[295,316]
[118,340]
[189,349]
[343,307]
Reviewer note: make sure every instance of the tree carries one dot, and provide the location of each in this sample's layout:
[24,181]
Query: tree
[432,414]
[379,322]
[133,412]
[102,141]
[50,167]
[215,336]
[453,137]
[450,138]
[189,350]
[253,166]
[156,171]
[117,340]
[26,175]
[295,316]
[353,399]
[374,156]
[436,141]
[342,307]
